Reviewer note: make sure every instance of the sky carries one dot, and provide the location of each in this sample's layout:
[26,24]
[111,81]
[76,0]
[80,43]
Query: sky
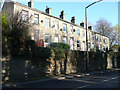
[106,9]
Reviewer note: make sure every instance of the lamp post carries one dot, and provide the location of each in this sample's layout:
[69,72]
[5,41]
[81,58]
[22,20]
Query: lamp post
[86,32]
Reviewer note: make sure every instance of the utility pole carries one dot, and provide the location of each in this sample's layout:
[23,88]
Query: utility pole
[87,61]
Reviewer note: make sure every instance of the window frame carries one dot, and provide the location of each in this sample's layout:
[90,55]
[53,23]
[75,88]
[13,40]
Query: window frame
[63,39]
[27,15]
[57,36]
[37,18]
[35,35]
[47,23]
[48,38]
[71,29]
[78,44]
[56,27]
[77,32]
[83,33]
[64,24]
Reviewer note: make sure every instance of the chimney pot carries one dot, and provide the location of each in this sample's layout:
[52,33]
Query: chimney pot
[62,16]
[31,3]
[73,20]
[82,24]
[48,10]
[90,27]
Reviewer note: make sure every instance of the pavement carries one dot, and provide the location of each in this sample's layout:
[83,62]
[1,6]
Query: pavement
[70,80]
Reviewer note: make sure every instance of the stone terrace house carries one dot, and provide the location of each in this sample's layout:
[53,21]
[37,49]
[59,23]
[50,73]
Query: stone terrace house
[48,28]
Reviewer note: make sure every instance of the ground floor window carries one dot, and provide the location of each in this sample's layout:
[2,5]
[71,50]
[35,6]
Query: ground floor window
[89,45]
[64,39]
[92,45]
[47,38]
[97,47]
[71,43]
[56,38]
[36,35]
[100,47]
[83,45]
[104,48]
[78,45]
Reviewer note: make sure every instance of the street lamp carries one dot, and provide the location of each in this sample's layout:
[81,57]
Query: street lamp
[86,31]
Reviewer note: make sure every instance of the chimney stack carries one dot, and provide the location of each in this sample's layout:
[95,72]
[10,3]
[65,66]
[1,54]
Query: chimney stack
[31,3]
[73,20]
[82,24]
[48,10]
[62,15]
[90,27]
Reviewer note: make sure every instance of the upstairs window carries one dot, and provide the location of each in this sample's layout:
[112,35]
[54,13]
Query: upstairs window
[71,29]
[24,15]
[92,36]
[64,27]
[36,18]
[47,23]
[88,34]
[56,25]
[96,37]
[104,40]
[83,33]
[78,32]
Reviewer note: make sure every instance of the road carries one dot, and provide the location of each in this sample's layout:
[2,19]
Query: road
[107,79]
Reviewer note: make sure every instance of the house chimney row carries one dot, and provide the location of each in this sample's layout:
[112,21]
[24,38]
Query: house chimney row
[90,27]
[62,15]
[73,20]
[31,3]
[82,24]
[48,10]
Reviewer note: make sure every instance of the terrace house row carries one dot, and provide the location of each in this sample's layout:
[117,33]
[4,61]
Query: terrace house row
[48,28]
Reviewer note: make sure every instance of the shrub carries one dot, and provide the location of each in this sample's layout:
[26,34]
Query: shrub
[60,45]
[40,54]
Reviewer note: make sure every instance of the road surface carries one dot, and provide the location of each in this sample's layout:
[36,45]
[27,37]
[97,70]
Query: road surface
[107,79]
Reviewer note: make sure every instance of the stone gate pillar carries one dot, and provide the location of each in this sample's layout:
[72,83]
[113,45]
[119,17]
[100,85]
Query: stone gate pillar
[109,62]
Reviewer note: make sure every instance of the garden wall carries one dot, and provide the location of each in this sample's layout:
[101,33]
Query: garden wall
[23,68]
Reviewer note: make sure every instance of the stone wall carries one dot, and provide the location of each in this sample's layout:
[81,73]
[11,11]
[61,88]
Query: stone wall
[21,68]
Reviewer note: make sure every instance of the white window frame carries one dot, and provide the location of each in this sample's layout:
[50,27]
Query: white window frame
[78,44]
[47,23]
[56,39]
[64,27]
[36,18]
[56,25]
[64,39]
[36,32]
[49,38]
[71,29]
[83,33]
[24,15]
[78,31]
[93,46]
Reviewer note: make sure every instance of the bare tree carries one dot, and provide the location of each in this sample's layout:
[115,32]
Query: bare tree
[19,32]
[105,28]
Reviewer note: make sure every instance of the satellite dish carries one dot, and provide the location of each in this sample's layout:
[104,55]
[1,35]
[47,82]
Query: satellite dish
[1,4]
